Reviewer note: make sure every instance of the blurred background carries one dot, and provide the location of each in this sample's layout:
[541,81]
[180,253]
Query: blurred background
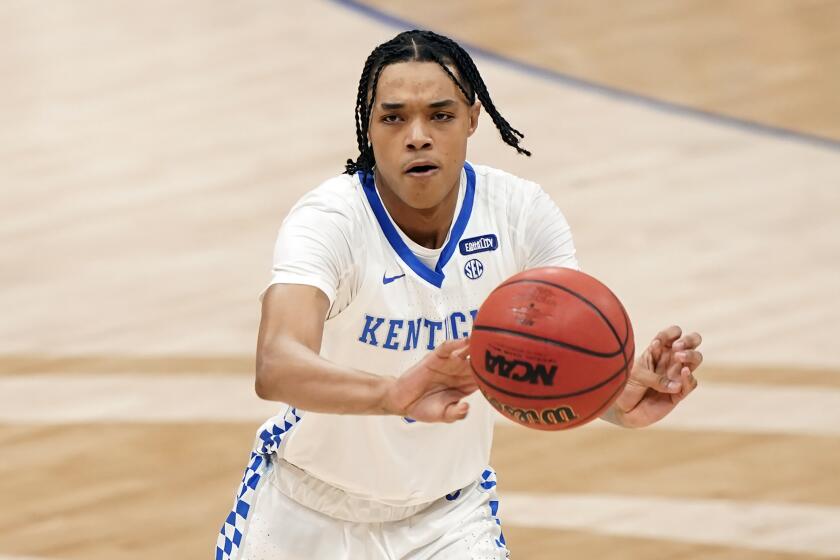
[149,152]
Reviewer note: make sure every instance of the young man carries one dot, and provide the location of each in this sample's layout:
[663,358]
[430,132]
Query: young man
[383,453]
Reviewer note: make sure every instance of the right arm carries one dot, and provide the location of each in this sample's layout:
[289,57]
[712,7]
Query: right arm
[289,368]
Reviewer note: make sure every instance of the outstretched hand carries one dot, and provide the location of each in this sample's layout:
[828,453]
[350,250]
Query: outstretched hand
[432,390]
[661,378]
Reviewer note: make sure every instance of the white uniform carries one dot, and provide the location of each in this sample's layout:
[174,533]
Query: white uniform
[391,302]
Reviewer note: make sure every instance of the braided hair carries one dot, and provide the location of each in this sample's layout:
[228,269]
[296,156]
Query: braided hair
[422,46]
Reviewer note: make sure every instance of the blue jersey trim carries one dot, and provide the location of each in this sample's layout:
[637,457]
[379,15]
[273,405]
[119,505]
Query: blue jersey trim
[436,276]
[460,222]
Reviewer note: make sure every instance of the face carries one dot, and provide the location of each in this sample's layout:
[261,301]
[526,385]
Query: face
[419,128]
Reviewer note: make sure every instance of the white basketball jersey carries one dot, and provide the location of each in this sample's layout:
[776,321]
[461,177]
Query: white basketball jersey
[394,309]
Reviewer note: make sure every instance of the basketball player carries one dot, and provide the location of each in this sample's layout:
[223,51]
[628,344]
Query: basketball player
[378,274]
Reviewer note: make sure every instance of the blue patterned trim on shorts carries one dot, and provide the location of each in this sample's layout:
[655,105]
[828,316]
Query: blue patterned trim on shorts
[272,436]
[494,510]
[230,537]
[233,529]
[487,483]
[488,480]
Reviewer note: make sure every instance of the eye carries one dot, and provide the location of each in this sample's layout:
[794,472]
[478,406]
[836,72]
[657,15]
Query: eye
[442,117]
[390,118]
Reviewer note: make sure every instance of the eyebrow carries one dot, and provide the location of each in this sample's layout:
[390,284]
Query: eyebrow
[434,105]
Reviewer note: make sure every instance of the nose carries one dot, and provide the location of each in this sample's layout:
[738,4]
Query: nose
[418,137]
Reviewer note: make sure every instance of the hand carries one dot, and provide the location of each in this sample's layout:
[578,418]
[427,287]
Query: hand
[432,389]
[661,378]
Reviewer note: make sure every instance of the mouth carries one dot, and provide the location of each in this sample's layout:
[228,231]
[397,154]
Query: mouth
[421,169]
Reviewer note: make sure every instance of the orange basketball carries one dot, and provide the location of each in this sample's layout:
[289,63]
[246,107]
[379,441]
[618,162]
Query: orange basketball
[551,348]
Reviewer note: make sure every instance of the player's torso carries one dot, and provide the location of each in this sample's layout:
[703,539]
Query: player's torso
[403,309]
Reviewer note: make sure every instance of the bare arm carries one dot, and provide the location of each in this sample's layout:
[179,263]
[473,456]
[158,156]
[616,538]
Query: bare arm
[289,368]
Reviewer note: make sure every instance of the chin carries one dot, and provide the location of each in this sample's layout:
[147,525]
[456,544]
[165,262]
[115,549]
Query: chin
[421,202]
[424,194]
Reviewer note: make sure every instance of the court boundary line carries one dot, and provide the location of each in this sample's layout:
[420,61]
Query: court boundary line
[657,104]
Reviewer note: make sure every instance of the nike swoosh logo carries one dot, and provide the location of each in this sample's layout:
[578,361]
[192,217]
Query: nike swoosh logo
[387,280]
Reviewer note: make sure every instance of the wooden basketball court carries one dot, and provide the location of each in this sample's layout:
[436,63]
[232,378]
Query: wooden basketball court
[149,152]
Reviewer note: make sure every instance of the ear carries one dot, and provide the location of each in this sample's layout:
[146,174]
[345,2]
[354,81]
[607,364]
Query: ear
[474,113]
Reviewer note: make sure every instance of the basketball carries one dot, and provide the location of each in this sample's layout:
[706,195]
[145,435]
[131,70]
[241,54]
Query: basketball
[551,348]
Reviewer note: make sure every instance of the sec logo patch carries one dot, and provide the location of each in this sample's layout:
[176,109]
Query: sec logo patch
[473,269]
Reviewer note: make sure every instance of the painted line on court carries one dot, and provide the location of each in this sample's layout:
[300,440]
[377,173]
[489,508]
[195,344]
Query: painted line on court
[59,399]
[770,526]
[657,104]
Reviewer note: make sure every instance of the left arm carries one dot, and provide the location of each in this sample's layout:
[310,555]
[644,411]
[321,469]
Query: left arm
[661,378]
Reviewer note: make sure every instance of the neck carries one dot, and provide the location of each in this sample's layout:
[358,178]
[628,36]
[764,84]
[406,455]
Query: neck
[428,227]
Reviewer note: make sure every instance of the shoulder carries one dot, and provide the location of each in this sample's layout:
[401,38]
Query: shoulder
[500,186]
[337,202]
[338,194]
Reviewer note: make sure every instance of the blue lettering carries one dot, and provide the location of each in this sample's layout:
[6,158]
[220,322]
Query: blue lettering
[371,324]
[404,334]
[413,336]
[393,329]
[454,327]
[432,326]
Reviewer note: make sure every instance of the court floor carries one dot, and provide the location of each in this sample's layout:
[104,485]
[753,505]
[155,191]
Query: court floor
[149,152]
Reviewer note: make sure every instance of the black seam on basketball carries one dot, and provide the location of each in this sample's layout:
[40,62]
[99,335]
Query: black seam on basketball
[547,397]
[575,294]
[627,332]
[628,363]
[548,341]
[560,343]
[627,325]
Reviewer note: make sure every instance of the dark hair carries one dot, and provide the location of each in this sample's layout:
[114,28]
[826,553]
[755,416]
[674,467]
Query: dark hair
[422,46]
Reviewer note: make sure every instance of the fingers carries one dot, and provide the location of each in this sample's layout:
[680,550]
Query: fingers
[689,358]
[688,342]
[658,382]
[689,382]
[462,353]
[451,346]
[670,345]
[667,336]
[654,353]
[456,411]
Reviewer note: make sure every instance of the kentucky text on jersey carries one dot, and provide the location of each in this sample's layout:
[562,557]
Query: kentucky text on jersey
[409,334]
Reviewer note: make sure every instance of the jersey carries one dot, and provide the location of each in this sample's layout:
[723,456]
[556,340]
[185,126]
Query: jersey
[391,302]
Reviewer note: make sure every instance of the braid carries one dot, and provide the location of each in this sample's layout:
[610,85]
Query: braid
[423,46]
[365,159]
[470,96]
[464,62]
[381,56]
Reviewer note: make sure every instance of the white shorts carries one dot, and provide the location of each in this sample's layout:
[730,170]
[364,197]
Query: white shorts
[282,513]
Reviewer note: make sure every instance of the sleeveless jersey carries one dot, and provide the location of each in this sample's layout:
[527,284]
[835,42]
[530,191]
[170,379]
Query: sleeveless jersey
[392,302]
